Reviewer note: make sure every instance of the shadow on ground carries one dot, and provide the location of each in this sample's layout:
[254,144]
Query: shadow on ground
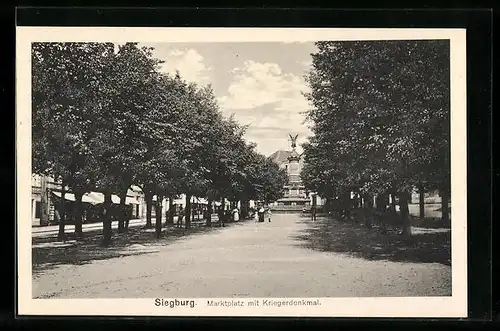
[430,222]
[48,253]
[330,235]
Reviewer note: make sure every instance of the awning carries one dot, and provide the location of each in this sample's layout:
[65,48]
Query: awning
[71,197]
[67,196]
[135,188]
[115,199]
[95,198]
[200,201]
[182,201]
[131,201]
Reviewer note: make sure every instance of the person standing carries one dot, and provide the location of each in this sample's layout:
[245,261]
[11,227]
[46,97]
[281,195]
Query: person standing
[236,215]
[221,217]
[313,213]
[261,214]
[269,214]
[180,216]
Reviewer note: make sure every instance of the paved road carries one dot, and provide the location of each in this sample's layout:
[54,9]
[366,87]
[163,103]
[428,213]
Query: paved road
[245,260]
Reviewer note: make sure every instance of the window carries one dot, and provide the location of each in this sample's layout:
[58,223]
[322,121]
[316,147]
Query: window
[38,209]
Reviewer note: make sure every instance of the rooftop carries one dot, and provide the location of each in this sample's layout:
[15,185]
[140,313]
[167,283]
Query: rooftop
[281,156]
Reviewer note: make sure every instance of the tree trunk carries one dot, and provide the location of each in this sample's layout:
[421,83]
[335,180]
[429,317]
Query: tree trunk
[128,216]
[445,193]
[170,217]
[356,200]
[78,214]
[421,201]
[188,211]
[123,212]
[344,204]
[223,212]
[368,206]
[209,212]
[368,201]
[158,205]
[393,201]
[378,201]
[44,202]
[445,214]
[326,206]
[383,201]
[244,209]
[106,222]
[403,209]
[149,206]
[62,220]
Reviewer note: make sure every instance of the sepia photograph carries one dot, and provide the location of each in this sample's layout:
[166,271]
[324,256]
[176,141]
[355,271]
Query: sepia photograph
[301,172]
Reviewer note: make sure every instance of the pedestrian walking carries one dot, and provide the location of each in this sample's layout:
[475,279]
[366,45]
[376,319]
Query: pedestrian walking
[269,214]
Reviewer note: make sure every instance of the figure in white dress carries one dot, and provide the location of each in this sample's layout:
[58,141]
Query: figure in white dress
[236,215]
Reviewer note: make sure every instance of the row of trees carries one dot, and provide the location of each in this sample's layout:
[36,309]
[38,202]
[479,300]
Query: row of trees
[106,118]
[380,118]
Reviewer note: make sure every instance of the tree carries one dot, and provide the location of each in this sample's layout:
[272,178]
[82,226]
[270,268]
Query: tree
[157,164]
[132,80]
[123,99]
[375,109]
[268,179]
[64,101]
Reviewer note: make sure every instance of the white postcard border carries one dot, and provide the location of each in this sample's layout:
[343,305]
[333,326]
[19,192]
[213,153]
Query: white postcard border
[454,306]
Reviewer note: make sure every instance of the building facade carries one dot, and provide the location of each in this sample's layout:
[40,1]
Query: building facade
[46,195]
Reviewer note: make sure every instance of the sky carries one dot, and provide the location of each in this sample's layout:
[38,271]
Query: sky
[260,83]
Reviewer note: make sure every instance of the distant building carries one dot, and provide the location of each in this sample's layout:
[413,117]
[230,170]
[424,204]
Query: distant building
[46,195]
[198,205]
[296,197]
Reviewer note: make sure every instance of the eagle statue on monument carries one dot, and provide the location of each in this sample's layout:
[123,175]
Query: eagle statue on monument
[293,139]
